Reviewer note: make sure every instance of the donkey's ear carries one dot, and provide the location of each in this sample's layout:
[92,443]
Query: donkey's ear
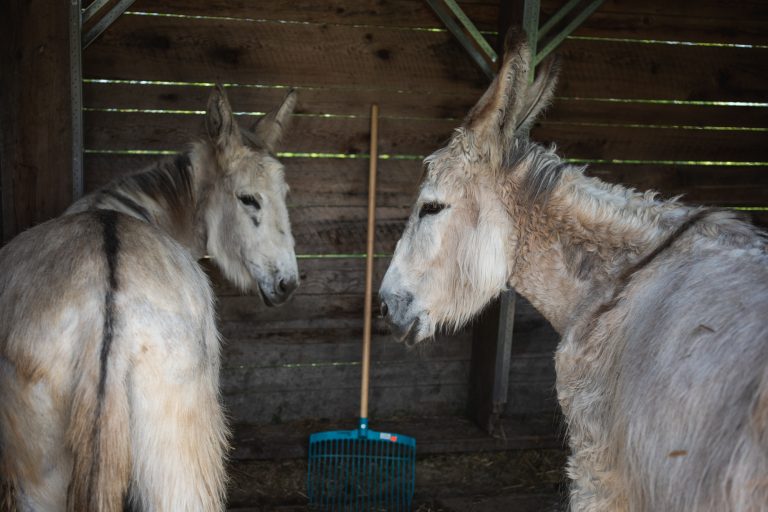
[268,130]
[511,104]
[538,95]
[219,121]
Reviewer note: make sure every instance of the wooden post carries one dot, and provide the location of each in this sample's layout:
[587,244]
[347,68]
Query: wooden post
[35,113]
[492,331]
[489,368]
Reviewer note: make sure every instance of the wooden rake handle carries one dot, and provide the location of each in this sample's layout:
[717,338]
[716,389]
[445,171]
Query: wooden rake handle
[369,261]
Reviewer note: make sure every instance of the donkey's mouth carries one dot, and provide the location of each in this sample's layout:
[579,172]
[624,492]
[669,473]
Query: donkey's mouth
[266,298]
[407,335]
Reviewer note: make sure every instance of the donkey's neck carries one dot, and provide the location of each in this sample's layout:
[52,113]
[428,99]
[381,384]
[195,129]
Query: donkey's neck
[167,195]
[577,235]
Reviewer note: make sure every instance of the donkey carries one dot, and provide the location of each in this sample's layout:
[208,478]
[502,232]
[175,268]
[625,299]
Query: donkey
[662,367]
[109,353]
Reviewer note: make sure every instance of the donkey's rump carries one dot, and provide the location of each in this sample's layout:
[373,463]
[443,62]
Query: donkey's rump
[95,309]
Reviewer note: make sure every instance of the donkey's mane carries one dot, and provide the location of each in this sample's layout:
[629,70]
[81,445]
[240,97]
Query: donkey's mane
[610,207]
[545,170]
[167,182]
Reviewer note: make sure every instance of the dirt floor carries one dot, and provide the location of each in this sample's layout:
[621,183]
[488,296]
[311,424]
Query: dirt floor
[519,480]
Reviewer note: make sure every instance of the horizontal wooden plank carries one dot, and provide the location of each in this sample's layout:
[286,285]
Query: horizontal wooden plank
[333,377]
[608,112]
[437,434]
[688,20]
[319,276]
[392,13]
[195,50]
[295,351]
[234,51]
[306,346]
[336,182]
[252,406]
[686,8]
[709,185]
[399,103]
[585,141]
[601,69]
[121,131]
[245,317]
[334,230]
[413,13]
[343,101]
[279,406]
[661,26]
[240,374]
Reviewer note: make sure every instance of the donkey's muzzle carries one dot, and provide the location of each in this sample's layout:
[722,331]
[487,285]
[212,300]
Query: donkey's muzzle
[284,288]
[395,310]
[280,292]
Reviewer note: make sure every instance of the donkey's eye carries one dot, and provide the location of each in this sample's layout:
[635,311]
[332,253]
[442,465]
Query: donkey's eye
[431,208]
[250,201]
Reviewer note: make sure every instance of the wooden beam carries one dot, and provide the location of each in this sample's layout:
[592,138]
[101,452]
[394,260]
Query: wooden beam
[490,363]
[35,113]
[492,332]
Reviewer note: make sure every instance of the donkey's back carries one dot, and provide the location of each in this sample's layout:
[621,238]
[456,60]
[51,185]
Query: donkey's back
[679,392]
[108,362]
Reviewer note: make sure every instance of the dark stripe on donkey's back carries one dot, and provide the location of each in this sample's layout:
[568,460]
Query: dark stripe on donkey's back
[108,220]
[130,204]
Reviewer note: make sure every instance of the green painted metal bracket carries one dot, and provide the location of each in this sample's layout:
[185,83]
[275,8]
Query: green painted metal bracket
[567,30]
[112,14]
[467,34]
[457,22]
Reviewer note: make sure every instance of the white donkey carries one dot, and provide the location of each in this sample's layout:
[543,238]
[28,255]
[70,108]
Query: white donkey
[109,353]
[662,370]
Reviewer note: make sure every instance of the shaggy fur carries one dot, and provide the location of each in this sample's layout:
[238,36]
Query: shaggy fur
[109,354]
[662,370]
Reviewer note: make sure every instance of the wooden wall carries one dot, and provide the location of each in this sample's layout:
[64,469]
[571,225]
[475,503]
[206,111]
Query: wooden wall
[636,101]
[35,114]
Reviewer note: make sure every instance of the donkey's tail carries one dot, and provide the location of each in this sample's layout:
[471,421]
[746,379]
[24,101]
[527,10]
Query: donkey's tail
[99,436]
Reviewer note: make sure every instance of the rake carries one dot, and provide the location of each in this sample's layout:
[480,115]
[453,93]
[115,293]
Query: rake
[362,469]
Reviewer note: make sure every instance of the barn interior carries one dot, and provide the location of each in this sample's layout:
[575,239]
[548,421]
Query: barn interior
[652,94]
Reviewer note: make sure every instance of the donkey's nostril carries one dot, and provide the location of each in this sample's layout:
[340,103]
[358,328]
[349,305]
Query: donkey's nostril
[384,309]
[285,287]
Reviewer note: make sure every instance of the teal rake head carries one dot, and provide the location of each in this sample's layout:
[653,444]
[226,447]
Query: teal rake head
[361,470]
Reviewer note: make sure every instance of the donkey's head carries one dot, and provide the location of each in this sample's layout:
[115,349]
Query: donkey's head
[454,256]
[245,215]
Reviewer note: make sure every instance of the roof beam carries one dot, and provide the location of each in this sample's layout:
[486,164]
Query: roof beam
[457,22]
[467,34]
[109,17]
